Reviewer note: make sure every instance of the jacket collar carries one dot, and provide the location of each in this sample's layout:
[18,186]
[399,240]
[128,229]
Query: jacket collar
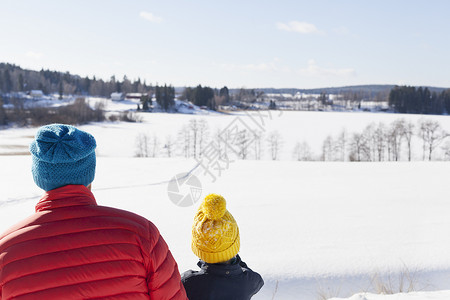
[222,269]
[69,195]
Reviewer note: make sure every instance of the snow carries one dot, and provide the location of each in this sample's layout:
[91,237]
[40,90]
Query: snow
[411,296]
[311,229]
[294,126]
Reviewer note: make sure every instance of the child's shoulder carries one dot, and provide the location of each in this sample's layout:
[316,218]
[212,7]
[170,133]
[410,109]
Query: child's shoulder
[190,274]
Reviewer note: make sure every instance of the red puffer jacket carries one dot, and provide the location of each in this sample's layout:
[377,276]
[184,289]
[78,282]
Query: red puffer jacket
[73,249]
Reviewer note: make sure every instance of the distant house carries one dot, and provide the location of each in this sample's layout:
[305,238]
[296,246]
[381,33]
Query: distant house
[117,97]
[134,95]
[184,104]
[36,94]
[280,96]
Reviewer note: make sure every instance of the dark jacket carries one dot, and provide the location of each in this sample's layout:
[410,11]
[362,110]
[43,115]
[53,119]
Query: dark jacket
[233,281]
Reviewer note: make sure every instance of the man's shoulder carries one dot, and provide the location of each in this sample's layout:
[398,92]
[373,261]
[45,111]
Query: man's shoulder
[103,214]
[8,233]
[117,212]
[128,217]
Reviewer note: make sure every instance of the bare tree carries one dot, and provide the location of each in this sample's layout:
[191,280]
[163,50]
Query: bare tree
[99,110]
[302,152]
[142,143]
[432,135]
[154,146]
[202,135]
[169,145]
[379,136]
[257,144]
[224,141]
[395,138]
[328,149]
[446,149]
[358,147]
[194,128]
[184,137]
[220,143]
[243,142]
[407,133]
[19,112]
[341,144]
[368,142]
[274,142]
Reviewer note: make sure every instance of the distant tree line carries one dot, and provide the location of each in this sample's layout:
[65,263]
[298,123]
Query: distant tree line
[15,79]
[402,99]
[195,140]
[207,96]
[76,113]
[412,100]
[381,142]
[165,96]
[3,115]
[200,96]
[397,141]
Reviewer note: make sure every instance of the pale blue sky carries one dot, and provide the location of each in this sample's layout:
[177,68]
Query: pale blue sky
[295,44]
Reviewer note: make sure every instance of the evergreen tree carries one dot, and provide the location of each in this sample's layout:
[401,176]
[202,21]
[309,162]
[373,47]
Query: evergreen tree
[1,81]
[42,88]
[14,78]
[7,82]
[197,95]
[136,85]
[86,85]
[20,82]
[158,96]
[224,92]
[146,102]
[436,105]
[165,96]
[445,98]
[416,103]
[60,90]
[202,96]
[3,117]
[426,101]
[272,105]
[212,103]
[323,98]
[188,94]
[408,99]
[405,99]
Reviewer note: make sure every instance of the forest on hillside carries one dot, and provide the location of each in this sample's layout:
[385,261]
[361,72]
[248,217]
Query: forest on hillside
[401,99]
[15,79]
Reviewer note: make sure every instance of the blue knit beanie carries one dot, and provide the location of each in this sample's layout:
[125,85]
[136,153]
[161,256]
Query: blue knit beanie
[62,155]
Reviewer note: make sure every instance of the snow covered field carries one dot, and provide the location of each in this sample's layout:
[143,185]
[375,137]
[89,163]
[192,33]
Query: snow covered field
[313,230]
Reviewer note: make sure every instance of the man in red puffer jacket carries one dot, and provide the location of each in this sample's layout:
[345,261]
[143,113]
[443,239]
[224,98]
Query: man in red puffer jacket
[71,248]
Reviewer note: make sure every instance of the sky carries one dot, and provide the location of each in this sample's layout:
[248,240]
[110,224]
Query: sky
[246,43]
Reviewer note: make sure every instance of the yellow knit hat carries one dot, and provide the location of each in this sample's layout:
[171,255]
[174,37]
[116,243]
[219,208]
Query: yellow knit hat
[215,234]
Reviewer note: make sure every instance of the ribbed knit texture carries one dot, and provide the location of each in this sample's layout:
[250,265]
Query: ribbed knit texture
[62,155]
[215,233]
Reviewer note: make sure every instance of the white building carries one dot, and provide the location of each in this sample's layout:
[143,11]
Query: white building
[36,94]
[117,97]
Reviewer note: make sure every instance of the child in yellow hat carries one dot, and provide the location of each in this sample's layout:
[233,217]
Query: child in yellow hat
[215,240]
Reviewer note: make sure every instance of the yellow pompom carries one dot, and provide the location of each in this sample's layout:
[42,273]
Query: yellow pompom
[214,206]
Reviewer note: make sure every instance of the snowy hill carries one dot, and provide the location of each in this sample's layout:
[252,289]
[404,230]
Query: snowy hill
[314,230]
